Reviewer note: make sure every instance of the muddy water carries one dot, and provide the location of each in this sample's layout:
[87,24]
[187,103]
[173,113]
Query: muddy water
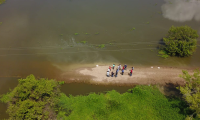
[38,37]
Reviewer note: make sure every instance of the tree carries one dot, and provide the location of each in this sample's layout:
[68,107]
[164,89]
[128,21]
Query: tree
[32,99]
[180,41]
[191,92]
[2,1]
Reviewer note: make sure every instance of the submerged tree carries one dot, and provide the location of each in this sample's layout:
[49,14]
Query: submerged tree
[180,41]
[32,99]
[191,92]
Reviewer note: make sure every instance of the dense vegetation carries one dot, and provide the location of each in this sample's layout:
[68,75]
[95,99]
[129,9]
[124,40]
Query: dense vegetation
[2,1]
[32,99]
[139,103]
[191,92]
[180,41]
[42,99]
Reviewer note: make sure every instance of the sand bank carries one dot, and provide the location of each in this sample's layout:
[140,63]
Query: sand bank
[141,75]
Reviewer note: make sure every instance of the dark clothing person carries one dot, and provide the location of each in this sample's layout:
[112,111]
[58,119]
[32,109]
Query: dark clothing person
[122,71]
[112,74]
[116,74]
[125,66]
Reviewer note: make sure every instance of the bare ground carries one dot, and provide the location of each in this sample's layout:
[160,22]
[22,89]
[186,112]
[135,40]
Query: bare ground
[141,75]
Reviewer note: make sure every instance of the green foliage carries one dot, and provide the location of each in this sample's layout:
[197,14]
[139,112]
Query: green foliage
[191,91]
[163,54]
[139,103]
[102,46]
[87,33]
[76,34]
[2,1]
[61,82]
[133,29]
[83,42]
[1,23]
[180,41]
[32,99]
[96,33]
[61,34]
[147,23]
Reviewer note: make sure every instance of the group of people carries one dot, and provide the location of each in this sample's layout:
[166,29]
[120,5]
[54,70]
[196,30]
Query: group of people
[119,67]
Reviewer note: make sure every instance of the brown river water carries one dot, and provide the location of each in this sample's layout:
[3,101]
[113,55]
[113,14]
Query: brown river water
[38,37]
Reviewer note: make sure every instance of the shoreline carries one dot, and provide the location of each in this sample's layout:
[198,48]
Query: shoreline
[140,76]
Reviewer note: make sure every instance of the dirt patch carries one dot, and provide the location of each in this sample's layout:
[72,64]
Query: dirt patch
[141,75]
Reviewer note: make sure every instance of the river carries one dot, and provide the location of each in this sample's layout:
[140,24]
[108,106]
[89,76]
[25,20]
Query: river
[47,38]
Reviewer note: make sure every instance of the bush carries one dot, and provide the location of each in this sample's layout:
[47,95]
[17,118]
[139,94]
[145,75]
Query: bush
[2,1]
[32,99]
[180,41]
[139,103]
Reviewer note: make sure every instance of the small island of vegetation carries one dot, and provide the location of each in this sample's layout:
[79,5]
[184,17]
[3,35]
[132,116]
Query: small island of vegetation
[180,41]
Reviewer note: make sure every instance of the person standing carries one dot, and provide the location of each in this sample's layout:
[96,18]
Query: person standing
[112,74]
[120,66]
[122,71]
[116,72]
[125,66]
[131,72]
[110,68]
[108,74]
[132,68]
[113,66]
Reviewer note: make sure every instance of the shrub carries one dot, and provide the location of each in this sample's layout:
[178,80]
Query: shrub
[180,41]
[32,99]
[139,103]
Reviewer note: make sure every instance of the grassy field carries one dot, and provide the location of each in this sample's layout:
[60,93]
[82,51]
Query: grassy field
[139,103]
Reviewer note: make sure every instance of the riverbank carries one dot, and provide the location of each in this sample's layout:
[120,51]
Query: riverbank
[141,75]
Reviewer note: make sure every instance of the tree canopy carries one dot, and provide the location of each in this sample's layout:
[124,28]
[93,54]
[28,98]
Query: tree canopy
[32,99]
[191,92]
[2,1]
[180,41]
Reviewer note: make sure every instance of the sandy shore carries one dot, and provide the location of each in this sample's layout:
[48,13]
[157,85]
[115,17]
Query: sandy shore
[141,75]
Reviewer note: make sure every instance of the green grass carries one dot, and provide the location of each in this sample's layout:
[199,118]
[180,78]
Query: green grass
[163,54]
[96,33]
[61,82]
[61,34]
[1,23]
[139,103]
[76,34]
[132,29]
[102,46]
[83,42]
[87,33]
[147,22]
